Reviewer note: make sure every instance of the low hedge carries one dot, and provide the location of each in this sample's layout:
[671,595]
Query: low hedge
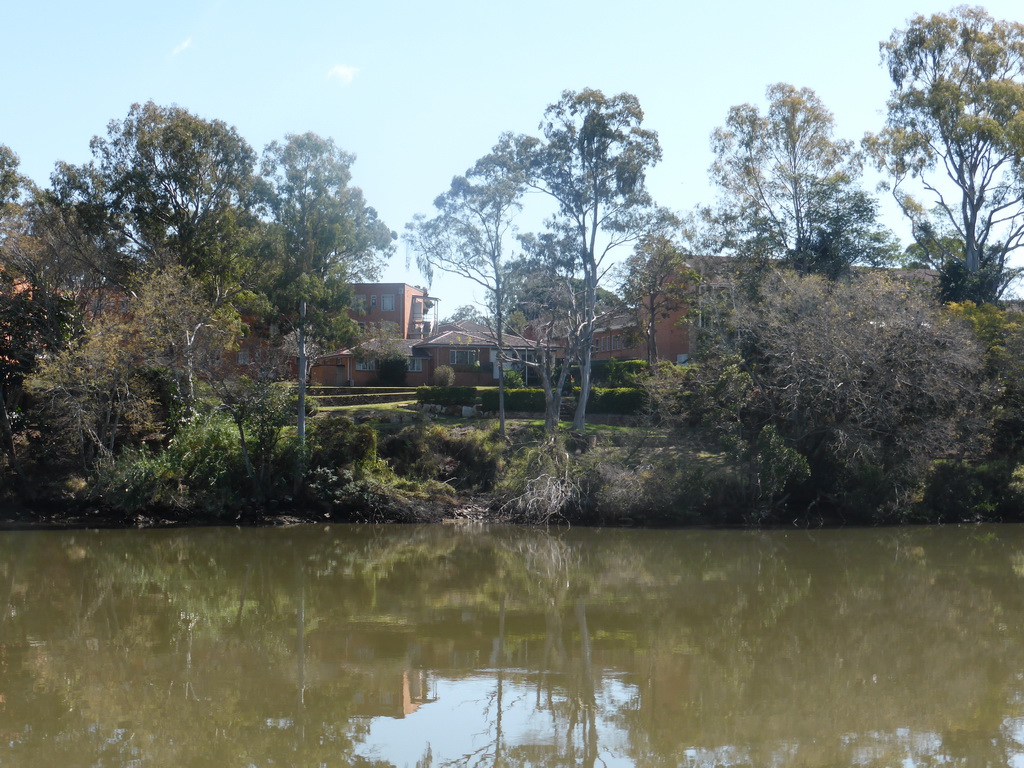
[446,395]
[621,401]
[520,400]
[625,401]
[620,373]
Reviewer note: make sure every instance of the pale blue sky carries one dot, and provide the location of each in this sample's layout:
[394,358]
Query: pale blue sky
[419,90]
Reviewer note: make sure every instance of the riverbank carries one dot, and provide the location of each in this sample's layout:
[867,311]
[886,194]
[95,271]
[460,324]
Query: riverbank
[386,471]
[51,515]
[365,470]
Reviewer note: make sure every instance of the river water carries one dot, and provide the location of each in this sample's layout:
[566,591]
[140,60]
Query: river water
[476,646]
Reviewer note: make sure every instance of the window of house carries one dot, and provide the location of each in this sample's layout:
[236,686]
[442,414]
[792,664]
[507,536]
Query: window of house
[387,302]
[462,356]
[359,303]
[366,365]
[373,301]
[242,358]
[414,364]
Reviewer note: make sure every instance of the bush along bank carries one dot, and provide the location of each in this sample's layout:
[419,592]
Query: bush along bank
[646,475]
[815,403]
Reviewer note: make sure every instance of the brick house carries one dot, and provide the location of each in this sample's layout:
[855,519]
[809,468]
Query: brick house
[407,317]
[617,337]
[405,307]
[469,348]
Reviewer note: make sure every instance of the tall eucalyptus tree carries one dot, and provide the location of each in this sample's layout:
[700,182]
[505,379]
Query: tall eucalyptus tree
[788,188]
[470,236]
[592,161]
[954,127]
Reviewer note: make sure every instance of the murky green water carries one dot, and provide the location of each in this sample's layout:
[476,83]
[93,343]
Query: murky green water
[493,646]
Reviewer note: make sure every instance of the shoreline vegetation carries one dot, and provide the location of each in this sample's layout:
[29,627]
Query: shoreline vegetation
[167,308]
[860,401]
[682,447]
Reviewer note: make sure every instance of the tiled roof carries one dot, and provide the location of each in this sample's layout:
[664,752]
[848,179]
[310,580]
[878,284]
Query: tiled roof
[461,334]
[469,334]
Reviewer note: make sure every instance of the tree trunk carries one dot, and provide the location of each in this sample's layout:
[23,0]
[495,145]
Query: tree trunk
[245,451]
[5,423]
[552,404]
[499,321]
[579,421]
[652,335]
[973,258]
[300,423]
[300,418]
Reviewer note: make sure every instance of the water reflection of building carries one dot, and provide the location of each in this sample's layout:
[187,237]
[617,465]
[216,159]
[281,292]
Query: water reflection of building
[389,693]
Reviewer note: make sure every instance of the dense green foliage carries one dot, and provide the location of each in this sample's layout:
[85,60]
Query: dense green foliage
[516,400]
[625,401]
[155,300]
[953,128]
[622,400]
[467,459]
[201,468]
[336,442]
[621,373]
[513,379]
[443,376]
[446,395]
[392,372]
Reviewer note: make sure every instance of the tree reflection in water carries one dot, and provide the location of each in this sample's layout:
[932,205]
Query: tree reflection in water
[447,646]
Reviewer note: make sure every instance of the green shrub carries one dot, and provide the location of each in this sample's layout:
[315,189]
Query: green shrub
[336,441]
[363,498]
[779,466]
[392,372]
[513,379]
[523,400]
[444,376]
[468,459]
[960,491]
[201,467]
[136,480]
[446,395]
[1015,490]
[624,401]
[625,373]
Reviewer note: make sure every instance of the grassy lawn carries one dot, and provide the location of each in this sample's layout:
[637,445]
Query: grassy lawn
[385,410]
[355,410]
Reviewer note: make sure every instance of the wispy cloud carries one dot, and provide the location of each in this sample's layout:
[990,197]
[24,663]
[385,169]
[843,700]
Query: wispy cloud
[343,73]
[181,47]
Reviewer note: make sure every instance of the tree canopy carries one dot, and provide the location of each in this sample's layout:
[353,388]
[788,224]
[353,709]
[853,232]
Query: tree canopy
[788,188]
[656,281]
[327,237]
[593,160]
[168,187]
[954,127]
[470,235]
